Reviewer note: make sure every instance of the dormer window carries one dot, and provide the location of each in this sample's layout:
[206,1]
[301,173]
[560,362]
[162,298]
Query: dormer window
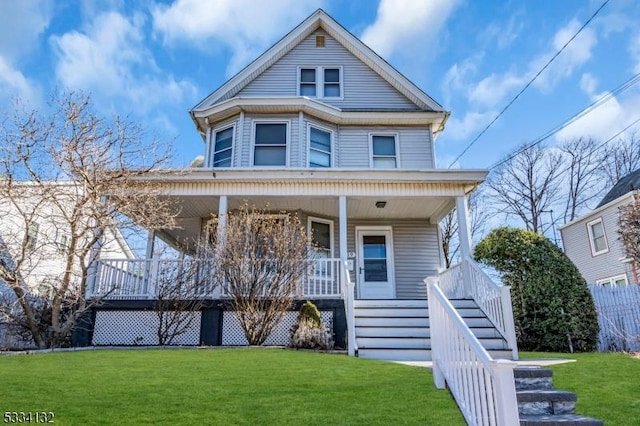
[320,82]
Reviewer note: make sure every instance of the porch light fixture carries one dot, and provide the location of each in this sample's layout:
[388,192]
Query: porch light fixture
[381,204]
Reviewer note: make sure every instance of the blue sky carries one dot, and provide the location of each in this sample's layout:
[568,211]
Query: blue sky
[154,60]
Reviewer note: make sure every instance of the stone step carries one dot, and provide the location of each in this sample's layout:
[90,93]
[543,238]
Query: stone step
[546,401]
[533,377]
[559,420]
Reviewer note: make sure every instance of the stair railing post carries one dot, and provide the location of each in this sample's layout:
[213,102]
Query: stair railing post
[505,395]
[509,324]
[435,325]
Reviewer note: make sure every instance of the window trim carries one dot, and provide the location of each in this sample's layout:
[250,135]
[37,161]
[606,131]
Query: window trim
[591,239]
[212,149]
[254,124]
[396,137]
[612,280]
[310,236]
[331,142]
[320,80]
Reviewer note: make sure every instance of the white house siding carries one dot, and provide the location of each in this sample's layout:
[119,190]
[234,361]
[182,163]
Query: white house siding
[415,249]
[414,145]
[577,246]
[362,87]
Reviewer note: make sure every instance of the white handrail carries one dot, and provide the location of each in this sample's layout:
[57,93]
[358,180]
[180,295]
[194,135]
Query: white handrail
[348,296]
[483,388]
[495,302]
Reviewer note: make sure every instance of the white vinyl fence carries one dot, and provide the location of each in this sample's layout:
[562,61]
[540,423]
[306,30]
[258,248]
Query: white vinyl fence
[618,316]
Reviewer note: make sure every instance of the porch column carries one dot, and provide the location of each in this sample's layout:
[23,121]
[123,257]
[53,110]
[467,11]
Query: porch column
[342,204]
[464,237]
[222,219]
[464,232]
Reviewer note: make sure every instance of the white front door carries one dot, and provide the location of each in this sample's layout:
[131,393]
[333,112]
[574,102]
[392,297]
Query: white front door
[375,263]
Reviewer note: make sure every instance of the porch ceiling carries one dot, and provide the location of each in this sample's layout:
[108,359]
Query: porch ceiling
[193,209]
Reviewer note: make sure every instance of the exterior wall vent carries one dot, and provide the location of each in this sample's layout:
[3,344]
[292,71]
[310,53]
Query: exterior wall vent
[319,41]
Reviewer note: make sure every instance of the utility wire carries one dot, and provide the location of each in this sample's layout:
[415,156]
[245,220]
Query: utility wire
[528,84]
[623,87]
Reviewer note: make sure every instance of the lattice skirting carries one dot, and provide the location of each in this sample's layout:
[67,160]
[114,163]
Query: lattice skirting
[232,334]
[138,328]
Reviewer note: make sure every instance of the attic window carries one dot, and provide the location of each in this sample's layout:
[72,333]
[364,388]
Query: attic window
[320,82]
[320,41]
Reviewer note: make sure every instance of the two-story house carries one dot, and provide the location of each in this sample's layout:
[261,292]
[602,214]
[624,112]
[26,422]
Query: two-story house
[593,243]
[321,126]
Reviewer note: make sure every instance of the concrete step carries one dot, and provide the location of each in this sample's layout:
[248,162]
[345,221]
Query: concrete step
[393,343]
[393,332]
[390,322]
[394,303]
[391,312]
[559,420]
[539,402]
[396,354]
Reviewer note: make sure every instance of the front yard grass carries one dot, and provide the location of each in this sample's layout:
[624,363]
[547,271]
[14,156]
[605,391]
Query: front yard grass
[221,386]
[607,384]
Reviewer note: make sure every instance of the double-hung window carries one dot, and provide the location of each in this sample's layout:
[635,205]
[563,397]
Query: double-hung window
[320,82]
[32,235]
[270,144]
[222,147]
[597,237]
[319,147]
[384,151]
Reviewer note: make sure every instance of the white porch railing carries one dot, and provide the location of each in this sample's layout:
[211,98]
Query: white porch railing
[467,280]
[138,278]
[483,388]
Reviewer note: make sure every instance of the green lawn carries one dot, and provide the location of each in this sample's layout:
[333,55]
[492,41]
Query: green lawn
[221,386]
[607,384]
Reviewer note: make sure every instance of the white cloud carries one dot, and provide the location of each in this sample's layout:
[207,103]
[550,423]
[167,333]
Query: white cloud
[503,36]
[634,50]
[109,59]
[457,77]
[246,27]
[14,83]
[22,24]
[471,123]
[407,26]
[588,84]
[492,90]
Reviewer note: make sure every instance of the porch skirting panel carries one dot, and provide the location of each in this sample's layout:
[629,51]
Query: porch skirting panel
[135,323]
[117,328]
[232,334]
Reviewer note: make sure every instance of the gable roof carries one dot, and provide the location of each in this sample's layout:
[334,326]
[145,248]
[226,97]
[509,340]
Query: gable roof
[320,19]
[626,184]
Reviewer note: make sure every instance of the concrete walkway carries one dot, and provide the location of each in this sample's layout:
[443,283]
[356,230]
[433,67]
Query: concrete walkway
[523,362]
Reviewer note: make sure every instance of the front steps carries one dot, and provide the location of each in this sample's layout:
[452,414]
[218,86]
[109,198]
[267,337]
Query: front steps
[540,404]
[398,330]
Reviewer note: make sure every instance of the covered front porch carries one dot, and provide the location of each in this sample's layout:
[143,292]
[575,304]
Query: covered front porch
[376,229]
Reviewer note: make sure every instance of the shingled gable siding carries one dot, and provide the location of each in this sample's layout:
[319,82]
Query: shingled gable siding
[578,248]
[416,253]
[362,87]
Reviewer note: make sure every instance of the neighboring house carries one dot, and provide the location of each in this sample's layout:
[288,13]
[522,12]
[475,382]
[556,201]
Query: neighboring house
[321,126]
[33,223]
[592,241]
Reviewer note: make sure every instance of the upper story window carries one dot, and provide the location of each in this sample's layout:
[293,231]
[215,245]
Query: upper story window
[320,82]
[222,147]
[597,237]
[384,151]
[32,235]
[616,281]
[270,144]
[319,147]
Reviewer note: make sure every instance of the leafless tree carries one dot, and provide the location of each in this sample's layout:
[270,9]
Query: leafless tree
[527,185]
[584,158]
[69,181]
[260,262]
[621,158]
[629,229]
[180,287]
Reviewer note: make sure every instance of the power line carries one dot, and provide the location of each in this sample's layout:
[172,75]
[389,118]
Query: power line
[623,87]
[528,84]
